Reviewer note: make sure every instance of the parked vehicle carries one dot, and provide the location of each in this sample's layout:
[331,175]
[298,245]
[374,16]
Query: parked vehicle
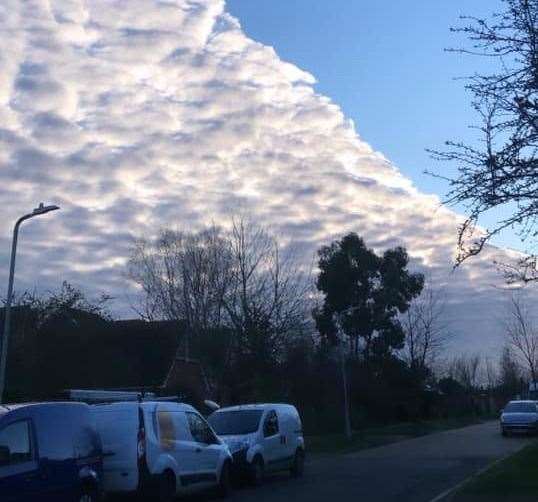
[49,452]
[519,416]
[160,449]
[262,438]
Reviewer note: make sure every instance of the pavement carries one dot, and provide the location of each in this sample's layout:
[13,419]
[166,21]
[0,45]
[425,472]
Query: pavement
[414,470]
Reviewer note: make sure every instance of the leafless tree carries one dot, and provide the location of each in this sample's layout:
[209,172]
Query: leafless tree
[509,374]
[183,276]
[426,332]
[267,299]
[522,335]
[500,170]
[61,302]
[491,374]
[241,279]
[465,370]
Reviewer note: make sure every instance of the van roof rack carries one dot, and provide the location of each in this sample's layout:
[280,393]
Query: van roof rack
[110,396]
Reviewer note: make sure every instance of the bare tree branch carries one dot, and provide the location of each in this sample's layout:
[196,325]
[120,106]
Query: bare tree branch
[500,171]
[426,332]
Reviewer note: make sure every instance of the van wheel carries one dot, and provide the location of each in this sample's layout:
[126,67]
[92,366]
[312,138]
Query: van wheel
[167,487]
[225,483]
[257,471]
[298,464]
[87,494]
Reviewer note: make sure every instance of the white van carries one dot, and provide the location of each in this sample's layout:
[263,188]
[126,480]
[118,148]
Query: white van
[262,438]
[160,449]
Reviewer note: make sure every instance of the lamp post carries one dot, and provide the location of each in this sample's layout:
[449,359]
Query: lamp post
[347,418]
[38,211]
[341,341]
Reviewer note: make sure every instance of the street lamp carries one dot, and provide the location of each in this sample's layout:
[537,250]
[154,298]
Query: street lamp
[38,211]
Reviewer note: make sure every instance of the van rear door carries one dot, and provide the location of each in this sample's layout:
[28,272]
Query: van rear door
[118,427]
[290,431]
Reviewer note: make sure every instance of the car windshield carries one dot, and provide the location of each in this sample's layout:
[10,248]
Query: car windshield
[520,408]
[235,422]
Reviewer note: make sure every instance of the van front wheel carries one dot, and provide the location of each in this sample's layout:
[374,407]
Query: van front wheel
[225,482]
[257,471]
[88,494]
[167,487]
[298,464]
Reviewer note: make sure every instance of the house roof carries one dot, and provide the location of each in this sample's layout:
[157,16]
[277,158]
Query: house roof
[187,373]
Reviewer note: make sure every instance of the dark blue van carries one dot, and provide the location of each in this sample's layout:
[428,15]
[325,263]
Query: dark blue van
[49,452]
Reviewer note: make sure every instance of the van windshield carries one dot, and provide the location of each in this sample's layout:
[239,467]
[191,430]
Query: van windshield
[235,422]
[520,408]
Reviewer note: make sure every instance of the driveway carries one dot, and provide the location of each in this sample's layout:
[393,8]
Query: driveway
[411,470]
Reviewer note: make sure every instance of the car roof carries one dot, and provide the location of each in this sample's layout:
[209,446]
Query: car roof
[126,405]
[255,406]
[6,409]
[36,404]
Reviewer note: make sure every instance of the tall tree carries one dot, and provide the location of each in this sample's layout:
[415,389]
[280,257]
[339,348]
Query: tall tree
[522,335]
[426,331]
[184,277]
[501,169]
[509,374]
[239,285]
[464,369]
[267,295]
[363,295]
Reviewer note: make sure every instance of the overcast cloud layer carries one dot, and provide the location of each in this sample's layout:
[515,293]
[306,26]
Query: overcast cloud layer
[134,114]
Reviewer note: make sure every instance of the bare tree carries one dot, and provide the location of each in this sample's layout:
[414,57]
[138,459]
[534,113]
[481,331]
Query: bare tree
[465,370]
[184,277]
[500,170]
[241,279]
[491,375]
[64,302]
[509,374]
[426,332]
[268,296]
[522,335]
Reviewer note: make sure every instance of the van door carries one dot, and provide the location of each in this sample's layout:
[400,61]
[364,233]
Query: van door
[175,440]
[20,479]
[208,449]
[273,446]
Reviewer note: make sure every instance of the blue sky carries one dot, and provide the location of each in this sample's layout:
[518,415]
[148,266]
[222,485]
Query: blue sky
[386,67]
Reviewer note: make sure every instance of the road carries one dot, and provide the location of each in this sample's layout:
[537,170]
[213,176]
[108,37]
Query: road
[414,470]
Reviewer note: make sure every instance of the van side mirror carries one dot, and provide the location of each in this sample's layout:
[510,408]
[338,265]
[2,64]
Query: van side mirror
[5,455]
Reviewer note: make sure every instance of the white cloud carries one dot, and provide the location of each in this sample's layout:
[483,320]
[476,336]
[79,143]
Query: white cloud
[135,114]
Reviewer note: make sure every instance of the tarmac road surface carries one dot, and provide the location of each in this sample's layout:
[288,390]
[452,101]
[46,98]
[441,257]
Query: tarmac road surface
[414,470]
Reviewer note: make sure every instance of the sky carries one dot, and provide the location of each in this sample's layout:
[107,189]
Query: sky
[134,115]
[387,68]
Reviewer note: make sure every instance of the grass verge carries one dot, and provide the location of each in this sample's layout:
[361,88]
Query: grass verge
[512,479]
[379,436]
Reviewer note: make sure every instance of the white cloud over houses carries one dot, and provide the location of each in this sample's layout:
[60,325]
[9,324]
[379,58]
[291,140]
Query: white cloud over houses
[137,114]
